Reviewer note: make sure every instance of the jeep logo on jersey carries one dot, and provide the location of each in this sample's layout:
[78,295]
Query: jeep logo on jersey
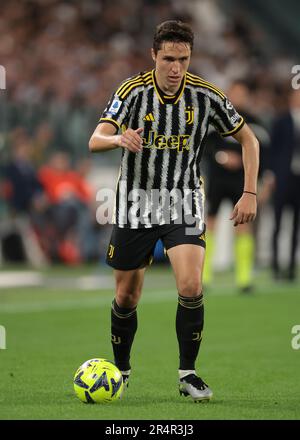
[160,141]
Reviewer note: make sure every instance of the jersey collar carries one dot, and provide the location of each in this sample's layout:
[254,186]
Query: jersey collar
[168,99]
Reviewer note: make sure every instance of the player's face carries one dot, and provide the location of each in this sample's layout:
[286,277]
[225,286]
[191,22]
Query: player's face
[171,63]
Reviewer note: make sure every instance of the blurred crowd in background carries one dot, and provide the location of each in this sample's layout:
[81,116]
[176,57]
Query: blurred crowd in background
[63,59]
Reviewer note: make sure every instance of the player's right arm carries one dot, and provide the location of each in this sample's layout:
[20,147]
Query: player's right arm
[105,138]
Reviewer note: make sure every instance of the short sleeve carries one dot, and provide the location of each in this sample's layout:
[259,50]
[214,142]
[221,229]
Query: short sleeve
[224,117]
[117,110]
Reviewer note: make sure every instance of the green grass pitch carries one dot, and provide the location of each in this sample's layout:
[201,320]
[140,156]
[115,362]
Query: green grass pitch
[246,355]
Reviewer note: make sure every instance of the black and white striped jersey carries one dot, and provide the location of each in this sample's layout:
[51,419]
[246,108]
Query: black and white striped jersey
[175,128]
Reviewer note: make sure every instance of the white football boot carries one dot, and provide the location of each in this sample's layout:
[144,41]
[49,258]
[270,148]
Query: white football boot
[192,385]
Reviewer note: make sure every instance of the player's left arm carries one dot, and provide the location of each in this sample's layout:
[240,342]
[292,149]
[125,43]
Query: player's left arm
[245,209]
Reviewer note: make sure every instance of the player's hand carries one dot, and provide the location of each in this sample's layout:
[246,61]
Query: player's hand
[131,140]
[245,210]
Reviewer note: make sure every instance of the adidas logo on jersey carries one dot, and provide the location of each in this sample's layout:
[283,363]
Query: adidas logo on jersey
[149,117]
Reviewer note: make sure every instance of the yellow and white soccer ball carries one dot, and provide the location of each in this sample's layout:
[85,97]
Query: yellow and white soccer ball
[98,381]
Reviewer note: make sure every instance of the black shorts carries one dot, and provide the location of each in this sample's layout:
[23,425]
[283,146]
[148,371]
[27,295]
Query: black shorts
[133,248]
[230,188]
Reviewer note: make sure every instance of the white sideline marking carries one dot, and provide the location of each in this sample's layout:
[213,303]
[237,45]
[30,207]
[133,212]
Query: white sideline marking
[149,296]
[83,303]
[20,279]
[2,338]
[29,279]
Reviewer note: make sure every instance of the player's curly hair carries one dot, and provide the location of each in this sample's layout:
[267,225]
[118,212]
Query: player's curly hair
[172,30]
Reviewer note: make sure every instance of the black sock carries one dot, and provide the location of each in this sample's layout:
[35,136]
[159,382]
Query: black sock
[189,326]
[123,328]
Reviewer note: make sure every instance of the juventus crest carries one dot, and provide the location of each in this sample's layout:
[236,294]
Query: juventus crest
[189,114]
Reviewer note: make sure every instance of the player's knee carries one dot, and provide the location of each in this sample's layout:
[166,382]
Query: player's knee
[190,286]
[127,297]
